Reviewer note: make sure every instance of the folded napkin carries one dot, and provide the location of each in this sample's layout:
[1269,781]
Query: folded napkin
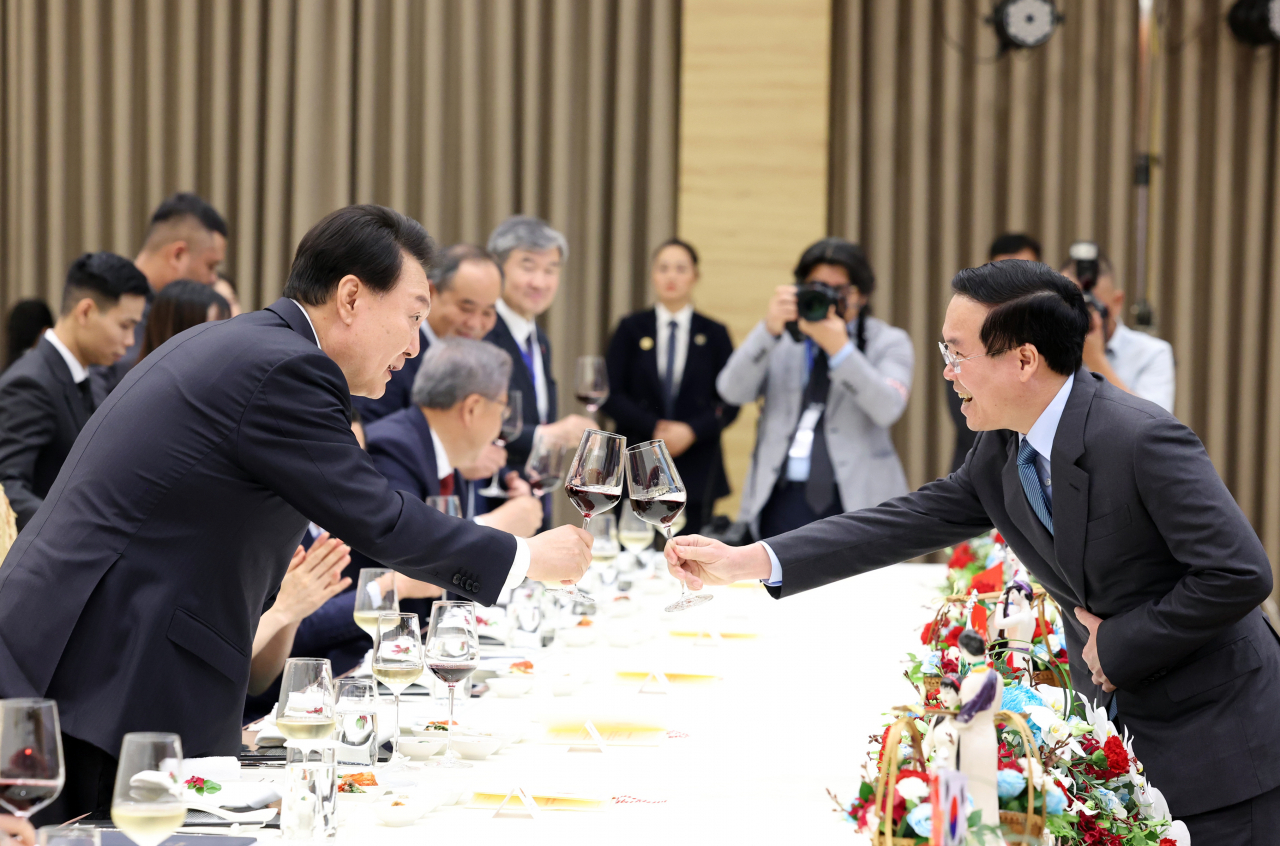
[242,794]
[220,769]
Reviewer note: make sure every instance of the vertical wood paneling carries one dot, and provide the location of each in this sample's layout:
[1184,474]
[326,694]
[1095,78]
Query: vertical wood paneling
[1043,141]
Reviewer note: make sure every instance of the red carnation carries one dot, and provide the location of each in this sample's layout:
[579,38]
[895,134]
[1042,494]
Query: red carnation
[962,557]
[1168,841]
[1117,756]
[926,634]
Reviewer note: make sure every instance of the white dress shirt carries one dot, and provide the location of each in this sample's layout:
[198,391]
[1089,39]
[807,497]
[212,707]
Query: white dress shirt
[1144,363]
[1040,434]
[78,371]
[682,319]
[520,566]
[521,329]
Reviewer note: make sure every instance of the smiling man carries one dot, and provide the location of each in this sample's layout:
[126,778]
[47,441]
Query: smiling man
[133,596]
[1115,507]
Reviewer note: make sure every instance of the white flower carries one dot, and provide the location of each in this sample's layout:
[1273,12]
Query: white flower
[913,789]
[1178,833]
[1054,697]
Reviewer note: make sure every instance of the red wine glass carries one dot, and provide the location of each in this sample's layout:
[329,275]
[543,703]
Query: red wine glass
[591,382]
[512,426]
[658,497]
[31,771]
[452,651]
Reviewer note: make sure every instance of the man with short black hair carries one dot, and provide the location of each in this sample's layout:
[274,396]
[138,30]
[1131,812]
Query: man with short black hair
[1115,507]
[45,397]
[133,595]
[1133,361]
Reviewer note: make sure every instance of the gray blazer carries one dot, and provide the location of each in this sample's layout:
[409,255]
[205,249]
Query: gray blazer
[1147,537]
[868,394]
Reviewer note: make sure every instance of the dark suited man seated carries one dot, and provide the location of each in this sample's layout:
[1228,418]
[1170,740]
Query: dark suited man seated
[1116,508]
[45,397]
[459,395]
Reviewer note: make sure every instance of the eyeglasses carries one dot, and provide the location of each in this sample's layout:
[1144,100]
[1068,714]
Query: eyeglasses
[953,361]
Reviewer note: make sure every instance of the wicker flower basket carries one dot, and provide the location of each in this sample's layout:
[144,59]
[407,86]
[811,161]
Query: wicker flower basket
[1029,824]
[883,835]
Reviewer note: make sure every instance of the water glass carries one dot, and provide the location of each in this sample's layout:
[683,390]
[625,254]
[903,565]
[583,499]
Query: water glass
[356,713]
[308,807]
[69,835]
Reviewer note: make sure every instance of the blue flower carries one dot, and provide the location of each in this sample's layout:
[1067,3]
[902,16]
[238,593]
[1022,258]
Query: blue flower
[1108,801]
[932,665]
[1055,801]
[1010,783]
[1018,697]
[920,818]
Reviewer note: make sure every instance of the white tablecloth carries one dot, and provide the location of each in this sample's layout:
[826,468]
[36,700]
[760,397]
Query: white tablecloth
[790,718]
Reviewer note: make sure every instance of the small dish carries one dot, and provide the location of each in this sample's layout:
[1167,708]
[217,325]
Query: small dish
[420,748]
[399,810]
[511,686]
[475,747]
[577,636]
[565,685]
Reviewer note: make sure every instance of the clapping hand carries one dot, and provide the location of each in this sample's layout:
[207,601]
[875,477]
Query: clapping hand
[313,577]
[699,561]
[1090,654]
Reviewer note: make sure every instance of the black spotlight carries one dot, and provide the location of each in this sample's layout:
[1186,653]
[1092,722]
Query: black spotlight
[1024,23]
[1255,21]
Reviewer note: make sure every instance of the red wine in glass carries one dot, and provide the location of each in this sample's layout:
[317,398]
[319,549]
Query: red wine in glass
[21,796]
[543,484]
[452,673]
[662,510]
[593,499]
[592,399]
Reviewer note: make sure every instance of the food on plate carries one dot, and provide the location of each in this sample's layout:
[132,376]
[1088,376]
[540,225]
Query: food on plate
[398,804]
[584,622]
[440,725]
[364,779]
[523,667]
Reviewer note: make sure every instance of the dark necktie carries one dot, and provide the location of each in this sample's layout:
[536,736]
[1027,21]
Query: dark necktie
[527,352]
[1031,484]
[669,376]
[86,396]
[446,485]
[820,489]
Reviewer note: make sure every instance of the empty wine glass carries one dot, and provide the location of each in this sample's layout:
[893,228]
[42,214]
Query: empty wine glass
[546,463]
[356,715]
[397,660]
[69,835]
[512,426]
[604,538]
[31,771]
[452,652]
[148,804]
[634,534]
[375,593]
[304,712]
[591,382]
[451,505]
[658,496]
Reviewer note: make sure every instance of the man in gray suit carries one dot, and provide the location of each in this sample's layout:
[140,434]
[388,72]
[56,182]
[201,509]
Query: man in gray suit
[1115,507]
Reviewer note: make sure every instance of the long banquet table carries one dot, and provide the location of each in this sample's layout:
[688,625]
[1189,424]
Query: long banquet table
[749,756]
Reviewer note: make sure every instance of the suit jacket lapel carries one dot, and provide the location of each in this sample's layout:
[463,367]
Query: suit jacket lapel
[291,313]
[1071,483]
[649,357]
[430,474]
[70,391]
[1015,502]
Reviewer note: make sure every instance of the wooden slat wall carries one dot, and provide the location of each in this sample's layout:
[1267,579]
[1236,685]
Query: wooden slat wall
[279,111]
[937,146]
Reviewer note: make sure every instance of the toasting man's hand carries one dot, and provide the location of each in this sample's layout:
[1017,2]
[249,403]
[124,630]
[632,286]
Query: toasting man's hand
[560,555]
[699,561]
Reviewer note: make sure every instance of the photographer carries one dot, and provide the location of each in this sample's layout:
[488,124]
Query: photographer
[833,380]
[1132,361]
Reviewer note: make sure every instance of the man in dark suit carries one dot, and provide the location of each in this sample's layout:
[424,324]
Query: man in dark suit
[133,596]
[46,397]
[663,363]
[186,239]
[1117,510]
[531,255]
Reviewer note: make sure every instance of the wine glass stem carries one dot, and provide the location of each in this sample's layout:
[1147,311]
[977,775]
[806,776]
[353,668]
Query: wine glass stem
[448,739]
[395,729]
[684,589]
[586,521]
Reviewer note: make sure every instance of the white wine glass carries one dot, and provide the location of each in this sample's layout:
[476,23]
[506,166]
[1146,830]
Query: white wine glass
[148,804]
[304,713]
[452,651]
[545,466]
[634,534]
[31,769]
[397,660]
[375,594]
[591,382]
[658,496]
[512,426]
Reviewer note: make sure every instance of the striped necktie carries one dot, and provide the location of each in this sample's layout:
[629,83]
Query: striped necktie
[1031,484]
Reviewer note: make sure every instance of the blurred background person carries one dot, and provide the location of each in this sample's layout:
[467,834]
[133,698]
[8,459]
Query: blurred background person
[45,397]
[1133,361]
[833,379]
[226,286]
[27,321]
[186,239]
[531,255]
[1010,245]
[178,307]
[663,363]
[466,284]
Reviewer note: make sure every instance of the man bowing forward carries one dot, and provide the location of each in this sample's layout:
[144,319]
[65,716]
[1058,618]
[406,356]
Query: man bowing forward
[1115,507]
[133,595]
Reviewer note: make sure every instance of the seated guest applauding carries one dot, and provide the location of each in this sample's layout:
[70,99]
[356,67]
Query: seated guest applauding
[663,363]
[177,308]
[45,398]
[832,387]
[27,321]
[459,395]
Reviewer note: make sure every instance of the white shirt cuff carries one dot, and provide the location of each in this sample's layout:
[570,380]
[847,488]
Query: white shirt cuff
[775,577]
[520,566]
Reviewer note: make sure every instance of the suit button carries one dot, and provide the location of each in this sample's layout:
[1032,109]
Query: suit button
[476,589]
[468,586]
[457,578]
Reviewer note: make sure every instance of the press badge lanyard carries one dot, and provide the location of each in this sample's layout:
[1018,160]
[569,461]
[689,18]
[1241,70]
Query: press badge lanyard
[802,440]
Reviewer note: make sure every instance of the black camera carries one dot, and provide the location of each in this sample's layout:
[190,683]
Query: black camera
[1085,256]
[813,301]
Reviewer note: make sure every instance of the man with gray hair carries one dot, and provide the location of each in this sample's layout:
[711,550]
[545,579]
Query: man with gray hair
[459,395]
[531,255]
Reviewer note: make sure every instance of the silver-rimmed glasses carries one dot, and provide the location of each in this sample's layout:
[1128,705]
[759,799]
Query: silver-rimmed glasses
[952,360]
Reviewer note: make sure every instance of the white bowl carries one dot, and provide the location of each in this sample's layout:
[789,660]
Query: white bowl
[408,813]
[522,682]
[565,685]
[577,636]
[424,730]
[370,795]
[421,748]
[475,747]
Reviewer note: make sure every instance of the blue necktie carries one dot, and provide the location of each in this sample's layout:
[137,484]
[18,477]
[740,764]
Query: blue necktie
[669,377]
[1031,484]
[527,352]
